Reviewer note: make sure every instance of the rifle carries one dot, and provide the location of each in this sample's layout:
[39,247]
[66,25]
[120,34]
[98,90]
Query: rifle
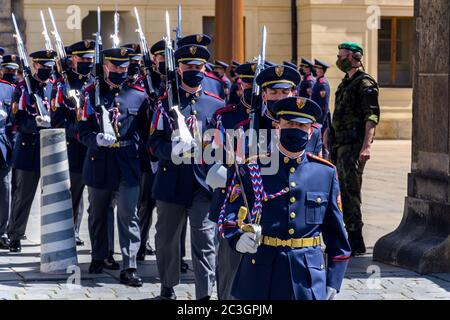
[145,56]
[105,123]
[172,84]
[115,36]
[41,108]
[48,43]
[178,34]
[255,111]
[61,62]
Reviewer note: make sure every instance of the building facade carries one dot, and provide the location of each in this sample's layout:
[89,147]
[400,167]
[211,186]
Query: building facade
[383,27]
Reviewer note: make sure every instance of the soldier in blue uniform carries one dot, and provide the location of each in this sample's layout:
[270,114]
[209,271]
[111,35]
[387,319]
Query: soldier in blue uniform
[112,167]
[26,153]
[158,50]
[9,67]
[227,119]
[308,80]
[67,111]
[292,208]
[234,91]
[180,189]
[146,201]
[220,70]
[321,93]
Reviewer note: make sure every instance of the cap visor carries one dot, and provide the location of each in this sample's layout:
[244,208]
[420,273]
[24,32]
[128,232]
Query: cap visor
[193,62]
[297,119]
[121,64]
[87,55]
[47,63]
[282,85]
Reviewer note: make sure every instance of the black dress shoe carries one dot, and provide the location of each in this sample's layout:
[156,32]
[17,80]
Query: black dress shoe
[167,294]
[184,266]
[130,278]
[15,246]
[110,263]
[79,241]
[149,250]
[357,244]
[4,243]
[96,267]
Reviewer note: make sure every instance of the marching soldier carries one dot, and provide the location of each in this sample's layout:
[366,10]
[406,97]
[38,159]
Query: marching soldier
[291,208]
[26,153]
[112,165]
[9,67]
[67,111]
[219,70]
[321,93]
[158,51]
[180,189]
[308,80]
[234,91]
[146,201]
[224,119]
[356,115]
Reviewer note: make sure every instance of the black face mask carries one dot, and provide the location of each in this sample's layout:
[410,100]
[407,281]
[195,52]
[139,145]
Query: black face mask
[270,104]
[84,68]
[302,72]
[10,77]
[133,69]
[248,96]
[294,140]
[44,74]
[117,78]
[162,68]
[193,78]
[217,74]
[233,74]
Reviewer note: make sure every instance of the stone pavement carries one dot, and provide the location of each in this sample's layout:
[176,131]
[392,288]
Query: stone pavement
[383,196]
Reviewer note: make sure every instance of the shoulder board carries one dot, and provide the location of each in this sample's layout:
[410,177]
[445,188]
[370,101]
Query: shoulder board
[320,160]
[242,123]
[136,87]
[322,80]
[226,109]
[213,95]
[212,76]
[5,82]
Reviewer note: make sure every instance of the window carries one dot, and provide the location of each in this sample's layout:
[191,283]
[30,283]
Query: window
[395,40]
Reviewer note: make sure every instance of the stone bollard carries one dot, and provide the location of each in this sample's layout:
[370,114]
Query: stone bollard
[58,246]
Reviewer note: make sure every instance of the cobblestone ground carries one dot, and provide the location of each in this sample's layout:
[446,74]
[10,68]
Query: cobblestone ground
[383,197]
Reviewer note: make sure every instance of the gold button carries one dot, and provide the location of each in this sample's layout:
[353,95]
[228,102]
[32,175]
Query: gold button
[291,231]
[164,169]
[253,261]
[68,143]
[286,160]
[299,160]
[23,143]
[293,215]
[193,101]
[119,124]
[117,94]
[194,112]
[292,170]
[319,200]
[293,184]
[322,266]
[92,159]
[293,199]
[223,191]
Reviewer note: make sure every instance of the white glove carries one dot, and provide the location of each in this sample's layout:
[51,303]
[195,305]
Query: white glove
[331,293]
[3,115]
[247,243]
[105,140]
[217,176]
[43,121]
[154,166]
[182,146]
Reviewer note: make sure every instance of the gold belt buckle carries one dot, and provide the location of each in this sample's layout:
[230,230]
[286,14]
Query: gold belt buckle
[115,145]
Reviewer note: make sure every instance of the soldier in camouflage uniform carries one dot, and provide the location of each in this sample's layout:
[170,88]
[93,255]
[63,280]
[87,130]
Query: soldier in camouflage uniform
[356,115]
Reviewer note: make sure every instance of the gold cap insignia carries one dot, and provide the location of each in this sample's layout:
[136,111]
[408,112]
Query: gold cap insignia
[123,52]
[13,57]
[254,67]
[193,50]
[87,44]
[49,53]
[279,70]
[301,103]
[199,38]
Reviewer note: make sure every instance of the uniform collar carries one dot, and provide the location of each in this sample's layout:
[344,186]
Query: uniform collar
[291,161]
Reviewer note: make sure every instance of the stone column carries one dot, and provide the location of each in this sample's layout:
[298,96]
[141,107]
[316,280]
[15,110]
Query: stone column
[6,27]
[230,30]
[422,241]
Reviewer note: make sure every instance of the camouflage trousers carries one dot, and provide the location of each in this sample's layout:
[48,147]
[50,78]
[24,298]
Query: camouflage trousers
[350,172]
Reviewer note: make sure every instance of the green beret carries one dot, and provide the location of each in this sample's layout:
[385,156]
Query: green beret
[352,46]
